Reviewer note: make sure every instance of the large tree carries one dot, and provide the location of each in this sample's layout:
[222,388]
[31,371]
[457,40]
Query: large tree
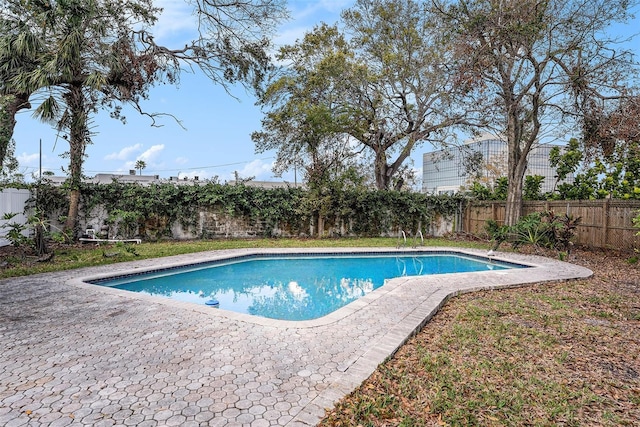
[385,86]
[88,57]
[100,54]
[529,61]
[306,122]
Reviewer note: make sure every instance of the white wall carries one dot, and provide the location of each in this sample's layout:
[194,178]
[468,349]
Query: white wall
[12,200]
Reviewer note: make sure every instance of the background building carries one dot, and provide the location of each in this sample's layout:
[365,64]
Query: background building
[481,159]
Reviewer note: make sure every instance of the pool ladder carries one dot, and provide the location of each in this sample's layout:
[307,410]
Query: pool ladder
[415,239]
[402,239]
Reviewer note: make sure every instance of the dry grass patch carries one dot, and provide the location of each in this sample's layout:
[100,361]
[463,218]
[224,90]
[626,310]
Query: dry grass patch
[549,354]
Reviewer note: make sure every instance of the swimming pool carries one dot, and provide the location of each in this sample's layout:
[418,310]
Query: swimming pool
[293,287]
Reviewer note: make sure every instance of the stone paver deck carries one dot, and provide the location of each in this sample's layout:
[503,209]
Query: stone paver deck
[78,354]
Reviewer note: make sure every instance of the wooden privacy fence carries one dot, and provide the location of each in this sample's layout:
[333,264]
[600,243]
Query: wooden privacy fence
[605,223]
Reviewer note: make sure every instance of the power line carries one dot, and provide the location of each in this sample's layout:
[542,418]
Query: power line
[188,169]
[33,169]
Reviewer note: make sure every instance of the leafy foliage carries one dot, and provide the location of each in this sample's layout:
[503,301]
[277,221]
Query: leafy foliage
[381,89]
[151,210]
[30,235]
[532,187]
[562,230]
[498,191]
[616,176]
[544,229]
[615,173]
[15,231]
[531,230]
[9,168]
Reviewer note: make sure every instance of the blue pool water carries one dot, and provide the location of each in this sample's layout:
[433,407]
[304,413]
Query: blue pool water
[300,287]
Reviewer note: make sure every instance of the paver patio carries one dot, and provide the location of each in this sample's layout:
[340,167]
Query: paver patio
[79,354]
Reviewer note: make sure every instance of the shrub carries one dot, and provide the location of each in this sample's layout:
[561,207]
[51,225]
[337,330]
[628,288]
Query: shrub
[562,230]
[150,211]
[497,234]
[544,229]
[32,234]
[15,231]
[531,230]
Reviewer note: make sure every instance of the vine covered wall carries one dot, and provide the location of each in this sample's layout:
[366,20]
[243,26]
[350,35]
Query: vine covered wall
[210,210]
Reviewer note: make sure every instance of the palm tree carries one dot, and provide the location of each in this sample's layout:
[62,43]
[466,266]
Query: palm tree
[20,50]
[140,164]
[90,60]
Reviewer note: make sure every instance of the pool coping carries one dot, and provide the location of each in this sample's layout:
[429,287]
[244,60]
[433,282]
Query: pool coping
[168,263]
[340,350]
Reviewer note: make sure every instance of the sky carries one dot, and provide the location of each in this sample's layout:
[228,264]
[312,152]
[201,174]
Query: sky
[213,139]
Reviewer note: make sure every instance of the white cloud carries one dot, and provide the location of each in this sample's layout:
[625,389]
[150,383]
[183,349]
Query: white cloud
[181,160]
[28,159]
[151,154]
[176,18]
[125,153]
[128,154]
[258,169]
[291,35]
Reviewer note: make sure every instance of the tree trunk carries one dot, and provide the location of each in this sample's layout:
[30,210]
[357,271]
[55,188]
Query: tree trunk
[72,214]
[78,137]
[9,107]
[516,168]
[513,208]
[381,171]
[518,151]
[384,172]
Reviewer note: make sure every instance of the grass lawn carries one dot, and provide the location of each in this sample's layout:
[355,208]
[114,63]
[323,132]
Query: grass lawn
[565,353]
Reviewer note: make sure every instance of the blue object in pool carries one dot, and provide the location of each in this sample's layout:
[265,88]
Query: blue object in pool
[301,287]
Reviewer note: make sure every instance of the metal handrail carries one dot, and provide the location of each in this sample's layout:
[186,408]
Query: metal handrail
[415,238]
[402,235]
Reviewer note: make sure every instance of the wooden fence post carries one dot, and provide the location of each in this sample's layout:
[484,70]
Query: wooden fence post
[605,226]
[467,219]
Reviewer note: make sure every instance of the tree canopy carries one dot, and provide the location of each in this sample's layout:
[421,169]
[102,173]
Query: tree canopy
[383,85]
[531,64]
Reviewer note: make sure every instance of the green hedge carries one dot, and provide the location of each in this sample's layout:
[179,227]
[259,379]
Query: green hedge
[366,213]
